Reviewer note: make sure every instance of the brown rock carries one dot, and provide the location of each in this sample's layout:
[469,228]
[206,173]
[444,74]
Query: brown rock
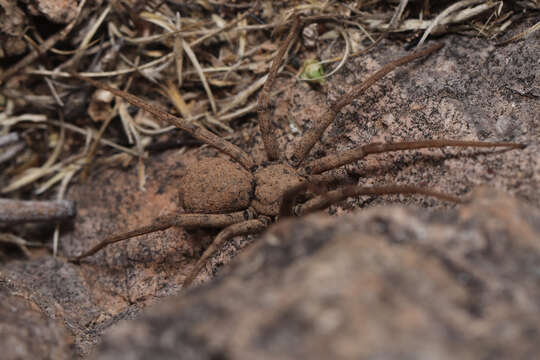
[27,332]
[58,11]
[385,283]
[16,18]
[12,26]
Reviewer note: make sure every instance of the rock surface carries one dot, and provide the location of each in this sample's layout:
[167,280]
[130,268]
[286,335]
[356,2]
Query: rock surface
[471,289]
[26,332]
[386,283]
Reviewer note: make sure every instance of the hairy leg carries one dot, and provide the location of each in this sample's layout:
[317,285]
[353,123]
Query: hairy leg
[263,111]
[323,201]
[181,220]
[242,228]
[312,135]
[197,132]
[336,160]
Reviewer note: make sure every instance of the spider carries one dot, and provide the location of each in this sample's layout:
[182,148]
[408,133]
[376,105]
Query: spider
[243,197]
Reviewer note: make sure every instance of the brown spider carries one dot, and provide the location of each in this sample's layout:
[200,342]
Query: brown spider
[243,197]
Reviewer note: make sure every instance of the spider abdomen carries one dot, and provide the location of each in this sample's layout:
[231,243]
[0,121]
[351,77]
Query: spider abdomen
[215,185]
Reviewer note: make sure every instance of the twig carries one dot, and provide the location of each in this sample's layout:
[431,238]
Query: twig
[20,211]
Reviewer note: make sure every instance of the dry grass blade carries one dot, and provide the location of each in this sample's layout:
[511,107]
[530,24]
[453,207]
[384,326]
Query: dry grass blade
[521,35]
[178,52]
[149,65]
[33,174]
[191,55]
[177,100]
[92,134]
[79,52]
[23,244]
[93,148]
[13,120]
[61,192]
[447,15]
[242,96]
[220,30]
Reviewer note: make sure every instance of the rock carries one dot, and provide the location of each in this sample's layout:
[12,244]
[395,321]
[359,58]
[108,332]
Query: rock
[17,17]
[25,331]
[12,27]
[58,11]
[385,283]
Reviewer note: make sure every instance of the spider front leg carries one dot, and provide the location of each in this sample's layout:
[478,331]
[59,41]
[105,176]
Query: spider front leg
[242,228]
[346,157]
[313,134]
[336,160]
[181,220]
[331,197]
[263,106]
[197,132]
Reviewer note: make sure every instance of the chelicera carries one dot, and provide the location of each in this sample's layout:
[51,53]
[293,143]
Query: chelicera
[244,197]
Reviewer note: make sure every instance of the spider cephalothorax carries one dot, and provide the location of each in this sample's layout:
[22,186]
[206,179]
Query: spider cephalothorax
[243,197]
[271,184]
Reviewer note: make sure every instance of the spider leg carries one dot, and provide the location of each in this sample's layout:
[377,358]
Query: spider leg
[289,199]
[242,228]
[346,157]
[263,106]
[313,134]
[181,220]
[323,201]
[197,132]
[313,183]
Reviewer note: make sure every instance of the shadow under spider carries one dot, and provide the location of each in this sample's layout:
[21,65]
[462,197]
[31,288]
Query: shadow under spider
[243,197]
